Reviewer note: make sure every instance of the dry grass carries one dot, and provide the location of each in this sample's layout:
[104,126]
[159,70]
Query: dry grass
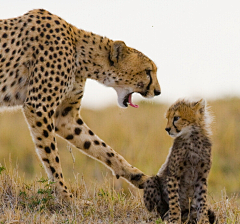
[139,136]
[36,203]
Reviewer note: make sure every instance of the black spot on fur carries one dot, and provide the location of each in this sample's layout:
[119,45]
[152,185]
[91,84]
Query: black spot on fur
[39,114]
[96,142]
[77,131]
[108,162]
[69,137]
[46,160]
[79,121]
[39,124]
[47,149]
[90,132]
[66,111]
[87,145]
[110,154]
[45,133]
[52,169]
[52,146]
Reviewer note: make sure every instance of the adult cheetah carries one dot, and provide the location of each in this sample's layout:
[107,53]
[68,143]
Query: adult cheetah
[179,190]
[44,64]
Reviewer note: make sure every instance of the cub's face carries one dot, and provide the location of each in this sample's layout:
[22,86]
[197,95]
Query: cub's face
[183,115]
[132,72]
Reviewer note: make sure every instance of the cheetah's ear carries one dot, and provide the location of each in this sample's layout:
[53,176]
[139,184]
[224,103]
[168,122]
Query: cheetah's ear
[118,51]
[199,106]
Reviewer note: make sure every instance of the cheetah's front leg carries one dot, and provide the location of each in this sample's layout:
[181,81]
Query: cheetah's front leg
[41,126]
[70,126]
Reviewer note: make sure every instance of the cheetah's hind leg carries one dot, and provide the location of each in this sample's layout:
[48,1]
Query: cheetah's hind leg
[153,198]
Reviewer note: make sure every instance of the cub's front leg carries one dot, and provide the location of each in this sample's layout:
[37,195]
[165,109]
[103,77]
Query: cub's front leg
[200,194]
[173,196]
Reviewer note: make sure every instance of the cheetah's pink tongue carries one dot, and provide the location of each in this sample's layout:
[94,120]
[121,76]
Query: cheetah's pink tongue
[130,101]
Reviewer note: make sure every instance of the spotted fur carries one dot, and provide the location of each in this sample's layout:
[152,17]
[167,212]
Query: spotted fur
[44,64]
[179,191]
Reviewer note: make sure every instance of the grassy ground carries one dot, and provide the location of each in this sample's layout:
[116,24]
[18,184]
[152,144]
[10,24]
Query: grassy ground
[36,203]
[139,136]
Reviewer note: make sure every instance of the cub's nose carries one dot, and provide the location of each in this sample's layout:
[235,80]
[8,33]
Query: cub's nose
[157,92]
[168,129]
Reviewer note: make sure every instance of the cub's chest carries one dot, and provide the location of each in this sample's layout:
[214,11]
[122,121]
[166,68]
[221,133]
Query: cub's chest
[189,167]
[192,158]
[193,152]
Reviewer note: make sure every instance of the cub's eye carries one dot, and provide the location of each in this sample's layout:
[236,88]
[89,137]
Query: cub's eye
[176,118]
[148,72]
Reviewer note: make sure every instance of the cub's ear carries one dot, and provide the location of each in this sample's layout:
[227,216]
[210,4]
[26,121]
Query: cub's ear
[118,51]
[199,106]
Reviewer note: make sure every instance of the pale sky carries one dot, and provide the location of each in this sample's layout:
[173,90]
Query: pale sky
[195,44]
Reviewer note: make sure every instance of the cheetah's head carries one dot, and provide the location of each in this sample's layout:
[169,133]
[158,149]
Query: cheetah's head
[131,72]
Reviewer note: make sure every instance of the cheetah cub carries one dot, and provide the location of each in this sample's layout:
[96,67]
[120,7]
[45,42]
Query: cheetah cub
[179,190]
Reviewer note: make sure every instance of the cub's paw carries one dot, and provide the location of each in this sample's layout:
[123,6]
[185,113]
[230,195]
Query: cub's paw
[212,217]
[190,217]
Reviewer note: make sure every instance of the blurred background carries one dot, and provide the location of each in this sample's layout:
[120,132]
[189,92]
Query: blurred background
[196,47]
[195,44]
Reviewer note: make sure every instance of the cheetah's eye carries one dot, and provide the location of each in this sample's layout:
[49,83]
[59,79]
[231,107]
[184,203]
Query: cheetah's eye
[176,118]
[148,72]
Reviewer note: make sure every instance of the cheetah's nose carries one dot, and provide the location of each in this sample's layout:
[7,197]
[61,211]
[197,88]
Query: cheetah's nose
[157,92]
[168,129]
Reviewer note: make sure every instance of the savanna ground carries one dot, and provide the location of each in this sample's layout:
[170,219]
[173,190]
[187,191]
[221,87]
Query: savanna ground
[139,136]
